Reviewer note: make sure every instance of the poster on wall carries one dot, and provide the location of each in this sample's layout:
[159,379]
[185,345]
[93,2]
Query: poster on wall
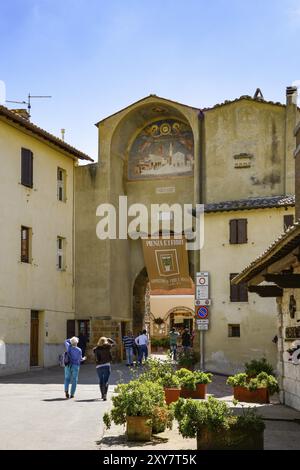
[167,264]
[163,148]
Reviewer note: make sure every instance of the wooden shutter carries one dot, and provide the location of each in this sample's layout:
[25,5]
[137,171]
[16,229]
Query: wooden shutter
[242,231]
[233,231]
[27,168]
[288,221]
[243,293]
[234,290]
[70,328]
[25,233]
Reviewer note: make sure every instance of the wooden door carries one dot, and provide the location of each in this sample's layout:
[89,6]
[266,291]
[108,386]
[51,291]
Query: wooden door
[34,339]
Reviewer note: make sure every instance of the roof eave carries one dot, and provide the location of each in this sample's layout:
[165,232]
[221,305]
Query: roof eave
[160,98]
[18,122]
[268,258]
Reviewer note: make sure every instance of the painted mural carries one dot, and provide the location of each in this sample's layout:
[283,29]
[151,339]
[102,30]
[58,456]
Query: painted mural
[163,148]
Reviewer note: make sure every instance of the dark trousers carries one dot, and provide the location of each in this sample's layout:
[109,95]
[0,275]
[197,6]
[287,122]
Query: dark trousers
[103,374]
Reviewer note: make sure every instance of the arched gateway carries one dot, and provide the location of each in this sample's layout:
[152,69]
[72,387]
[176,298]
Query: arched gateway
[149,152]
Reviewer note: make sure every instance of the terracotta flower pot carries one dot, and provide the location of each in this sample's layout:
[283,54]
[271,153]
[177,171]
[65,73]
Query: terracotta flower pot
[172,395]
[261,395]
[230,440]
[138,428]
[199,393]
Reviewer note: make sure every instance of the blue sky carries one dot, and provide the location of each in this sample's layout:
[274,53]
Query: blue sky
[95,57]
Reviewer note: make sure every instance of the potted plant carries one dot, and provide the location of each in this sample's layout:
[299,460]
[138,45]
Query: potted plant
[216,427]
[256,366]
[135,405]
[187,359]
[253,390]
[193,384]
[155,369]
[171,385]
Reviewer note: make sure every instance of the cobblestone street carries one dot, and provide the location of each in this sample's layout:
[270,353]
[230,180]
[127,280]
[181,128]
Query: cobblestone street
[35,415]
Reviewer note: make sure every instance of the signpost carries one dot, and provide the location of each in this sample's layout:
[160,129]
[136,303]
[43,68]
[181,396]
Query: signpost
[202,302]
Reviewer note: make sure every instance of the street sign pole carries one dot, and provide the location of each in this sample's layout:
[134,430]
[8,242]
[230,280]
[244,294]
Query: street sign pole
[202,362]
[202,300]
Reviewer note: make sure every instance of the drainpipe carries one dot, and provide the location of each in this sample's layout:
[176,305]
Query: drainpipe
[281,348]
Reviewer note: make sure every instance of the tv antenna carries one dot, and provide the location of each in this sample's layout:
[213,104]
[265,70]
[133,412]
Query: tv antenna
[28,102]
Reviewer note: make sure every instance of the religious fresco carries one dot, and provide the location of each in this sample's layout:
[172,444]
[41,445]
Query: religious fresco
[163,148]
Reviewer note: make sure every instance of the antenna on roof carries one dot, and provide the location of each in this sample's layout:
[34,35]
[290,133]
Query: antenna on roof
[28,102]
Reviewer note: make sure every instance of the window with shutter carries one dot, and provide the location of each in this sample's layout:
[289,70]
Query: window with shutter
[233,231]
[61,184]
[26,168]
[60,262]
[238,293]
[25,244]
[288,221]
[233,289]
[242,231]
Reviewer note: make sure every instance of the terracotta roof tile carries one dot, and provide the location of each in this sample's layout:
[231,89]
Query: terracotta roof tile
[38,131]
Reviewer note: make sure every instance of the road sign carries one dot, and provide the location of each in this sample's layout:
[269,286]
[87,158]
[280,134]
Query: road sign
[203,326]
[202,312]
[202,322]
[202,285]
[199,302]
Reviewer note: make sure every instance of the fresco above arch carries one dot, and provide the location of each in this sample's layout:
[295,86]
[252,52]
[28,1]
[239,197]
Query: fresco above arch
[163,148]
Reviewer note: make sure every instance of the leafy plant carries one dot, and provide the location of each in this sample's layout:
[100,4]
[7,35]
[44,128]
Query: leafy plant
[255,367]
[213,415]
[162,419]
[189,379]
[194,415]
[262,380]
[187,358]
[137,398]
[160,342]
[170,380]
[155,369]
[238,380]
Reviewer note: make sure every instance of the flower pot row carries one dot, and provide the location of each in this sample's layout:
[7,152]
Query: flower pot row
[173,394]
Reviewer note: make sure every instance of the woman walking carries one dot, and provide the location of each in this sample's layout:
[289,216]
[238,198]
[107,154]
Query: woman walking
[103,360]
[72,369]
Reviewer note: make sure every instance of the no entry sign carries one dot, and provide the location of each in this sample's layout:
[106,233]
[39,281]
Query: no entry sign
[202,312]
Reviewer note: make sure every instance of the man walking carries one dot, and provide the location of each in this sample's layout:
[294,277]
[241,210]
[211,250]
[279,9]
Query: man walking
[129,343]
[186,340]
[142,343]
[173,342]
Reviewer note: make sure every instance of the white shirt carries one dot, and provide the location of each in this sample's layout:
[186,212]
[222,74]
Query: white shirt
[142,340]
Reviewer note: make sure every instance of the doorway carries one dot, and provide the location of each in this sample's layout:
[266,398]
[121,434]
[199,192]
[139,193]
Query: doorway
[34,338]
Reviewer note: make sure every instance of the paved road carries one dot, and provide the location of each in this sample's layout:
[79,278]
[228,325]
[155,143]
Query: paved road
[35,415]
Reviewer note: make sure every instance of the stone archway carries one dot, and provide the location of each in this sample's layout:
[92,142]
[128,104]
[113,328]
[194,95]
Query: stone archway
[141,302]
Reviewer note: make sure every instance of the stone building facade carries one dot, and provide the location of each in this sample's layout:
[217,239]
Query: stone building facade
[37,243]
[159,151]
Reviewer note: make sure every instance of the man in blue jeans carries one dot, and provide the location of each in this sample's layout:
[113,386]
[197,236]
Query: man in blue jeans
[72,369]
[142,343]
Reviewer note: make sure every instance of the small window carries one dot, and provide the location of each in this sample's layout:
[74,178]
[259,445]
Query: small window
[25,244]
[238,293]
[288,221]
[60,263]
[26,168]
[234,331]
[238,231]
[61,184]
